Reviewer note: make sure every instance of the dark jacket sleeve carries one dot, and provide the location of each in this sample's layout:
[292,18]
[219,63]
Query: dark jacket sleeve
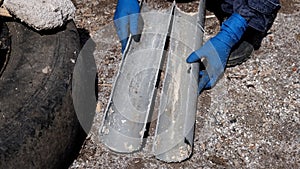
[259,13]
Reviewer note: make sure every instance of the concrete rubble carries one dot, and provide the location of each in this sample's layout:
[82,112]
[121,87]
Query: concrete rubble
[41,14]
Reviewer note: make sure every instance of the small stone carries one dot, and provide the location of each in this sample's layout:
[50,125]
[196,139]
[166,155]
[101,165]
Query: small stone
[46,70]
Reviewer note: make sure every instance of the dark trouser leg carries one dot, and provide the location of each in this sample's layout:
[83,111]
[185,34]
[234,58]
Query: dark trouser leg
[215,7]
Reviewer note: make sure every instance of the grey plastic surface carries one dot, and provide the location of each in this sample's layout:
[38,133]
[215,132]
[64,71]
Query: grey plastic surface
[130,103]
[177,111]
[133,93]
[83,86]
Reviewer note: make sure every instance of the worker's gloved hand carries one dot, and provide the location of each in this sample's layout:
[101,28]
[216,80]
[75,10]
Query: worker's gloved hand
[126,20]
[214,53]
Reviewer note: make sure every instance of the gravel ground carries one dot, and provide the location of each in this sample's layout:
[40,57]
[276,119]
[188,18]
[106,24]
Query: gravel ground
[249,120]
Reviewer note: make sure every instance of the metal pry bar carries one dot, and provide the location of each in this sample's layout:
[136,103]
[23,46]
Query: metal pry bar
[177,110]
[133,91]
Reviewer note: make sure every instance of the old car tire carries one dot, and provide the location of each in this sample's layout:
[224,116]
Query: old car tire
[38,124]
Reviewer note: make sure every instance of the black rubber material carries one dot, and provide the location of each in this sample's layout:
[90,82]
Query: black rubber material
[4,45]
[38,124]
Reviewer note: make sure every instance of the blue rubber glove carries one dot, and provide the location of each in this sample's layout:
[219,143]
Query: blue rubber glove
[126,19]
[215,52]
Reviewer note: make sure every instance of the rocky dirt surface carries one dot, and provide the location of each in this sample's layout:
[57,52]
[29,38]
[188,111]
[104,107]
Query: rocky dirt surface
[249,120]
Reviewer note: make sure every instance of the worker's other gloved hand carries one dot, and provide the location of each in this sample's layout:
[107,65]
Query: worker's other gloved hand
[126,21]
[214,53]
